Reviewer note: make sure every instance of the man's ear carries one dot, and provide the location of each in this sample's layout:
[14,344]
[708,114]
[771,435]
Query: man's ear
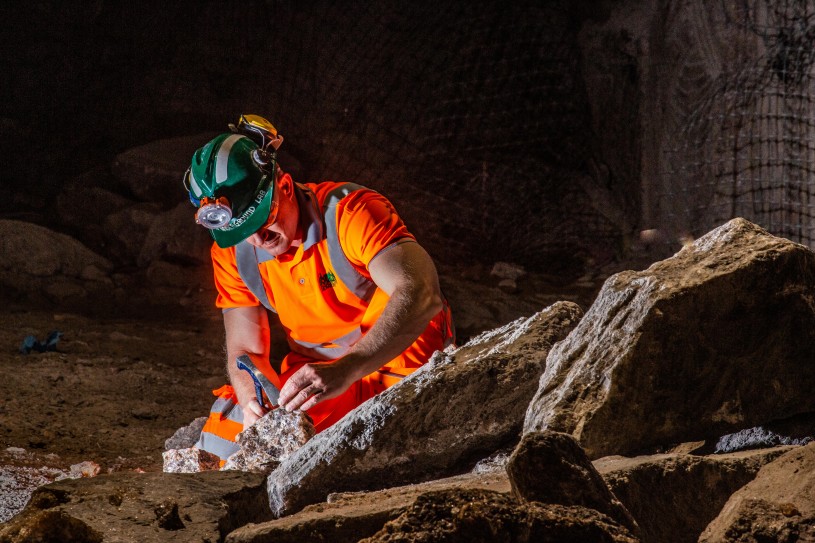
[286,185]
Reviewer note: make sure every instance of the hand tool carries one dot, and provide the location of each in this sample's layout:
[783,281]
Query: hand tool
[262,383]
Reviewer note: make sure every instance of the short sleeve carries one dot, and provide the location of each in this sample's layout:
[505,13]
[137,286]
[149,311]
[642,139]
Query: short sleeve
[367,223]
[232,292]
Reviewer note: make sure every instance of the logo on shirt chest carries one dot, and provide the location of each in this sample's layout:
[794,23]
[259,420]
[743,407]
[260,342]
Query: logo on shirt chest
[327,280]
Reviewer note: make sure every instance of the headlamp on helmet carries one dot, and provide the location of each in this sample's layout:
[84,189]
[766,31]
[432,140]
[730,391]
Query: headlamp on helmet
[214,213]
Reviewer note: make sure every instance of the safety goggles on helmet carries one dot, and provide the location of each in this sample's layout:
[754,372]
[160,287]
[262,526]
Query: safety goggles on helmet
[234,193]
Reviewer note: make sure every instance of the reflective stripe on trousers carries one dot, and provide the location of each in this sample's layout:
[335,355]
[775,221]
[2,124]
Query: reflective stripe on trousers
[225,421]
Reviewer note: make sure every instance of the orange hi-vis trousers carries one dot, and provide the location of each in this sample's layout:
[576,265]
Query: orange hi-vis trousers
[225,419]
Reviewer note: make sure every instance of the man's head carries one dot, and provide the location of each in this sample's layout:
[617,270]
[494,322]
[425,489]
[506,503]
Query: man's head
[241,194]
[234,193]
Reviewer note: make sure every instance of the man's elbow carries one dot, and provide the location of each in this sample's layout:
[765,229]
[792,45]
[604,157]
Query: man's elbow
[430,301]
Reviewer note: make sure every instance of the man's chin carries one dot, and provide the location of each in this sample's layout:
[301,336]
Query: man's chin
[276,249]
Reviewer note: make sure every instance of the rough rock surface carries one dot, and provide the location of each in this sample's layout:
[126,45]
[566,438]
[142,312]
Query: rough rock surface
[348,517]
[484,516]
[458,408]
[674,496]
[42,263]
[550,467]
[17,483]
[794,431]
[154,172]
[125,231]
[777,506]
[125,507]
[273,438]
[189,460]
[717,338]
[88,192]
[186,436]
[174,236]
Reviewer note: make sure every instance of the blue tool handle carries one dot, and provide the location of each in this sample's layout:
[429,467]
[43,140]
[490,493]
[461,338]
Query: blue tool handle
[258,387]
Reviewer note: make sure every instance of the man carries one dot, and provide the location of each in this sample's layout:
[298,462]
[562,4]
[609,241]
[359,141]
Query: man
[356,296]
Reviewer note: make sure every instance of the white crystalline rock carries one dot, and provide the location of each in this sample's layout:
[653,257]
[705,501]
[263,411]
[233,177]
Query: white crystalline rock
[272,439]
[189,460]
[87,468]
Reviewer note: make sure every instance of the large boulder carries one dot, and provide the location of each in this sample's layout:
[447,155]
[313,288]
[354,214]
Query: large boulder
[777,506]
[674,496]
[82,205]
[719,337]
[458,408]
[550,467]
[144,507]
[125,231]
[42,264]
[154,172]
[174,236]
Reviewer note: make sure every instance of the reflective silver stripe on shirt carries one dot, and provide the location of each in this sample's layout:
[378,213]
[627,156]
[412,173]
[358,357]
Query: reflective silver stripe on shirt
[327,350]
[247,260]
[362,287]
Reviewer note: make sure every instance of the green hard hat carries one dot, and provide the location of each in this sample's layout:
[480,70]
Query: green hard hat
[225,168]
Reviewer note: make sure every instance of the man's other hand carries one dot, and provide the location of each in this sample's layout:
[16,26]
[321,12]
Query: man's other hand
[313,383]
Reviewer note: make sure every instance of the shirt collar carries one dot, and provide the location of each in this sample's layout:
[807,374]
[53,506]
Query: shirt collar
[311,220]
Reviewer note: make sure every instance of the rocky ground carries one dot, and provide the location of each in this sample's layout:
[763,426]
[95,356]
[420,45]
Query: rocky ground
[124,377]
[714,340]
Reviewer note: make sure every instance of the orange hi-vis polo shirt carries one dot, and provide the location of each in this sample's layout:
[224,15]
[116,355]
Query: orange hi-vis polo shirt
[321,316]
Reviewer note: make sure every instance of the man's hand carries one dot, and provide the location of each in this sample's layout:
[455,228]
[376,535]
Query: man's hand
[252,411]
[407,275]
[316,382]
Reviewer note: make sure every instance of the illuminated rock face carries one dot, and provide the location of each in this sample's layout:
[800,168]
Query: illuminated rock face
[717,338]
[459,408]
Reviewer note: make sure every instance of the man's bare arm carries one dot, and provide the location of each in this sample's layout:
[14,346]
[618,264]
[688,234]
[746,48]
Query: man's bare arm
[247,332]
[407,274]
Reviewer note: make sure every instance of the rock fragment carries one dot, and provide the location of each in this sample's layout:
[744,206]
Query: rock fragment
[674,496]
[186,436]
[478,516]
[49,526]
[550,467]
[88,468]
[272,439]
[190,460]
[144,507]
[351,516]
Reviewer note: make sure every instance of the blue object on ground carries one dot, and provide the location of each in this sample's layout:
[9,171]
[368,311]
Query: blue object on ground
[30,343]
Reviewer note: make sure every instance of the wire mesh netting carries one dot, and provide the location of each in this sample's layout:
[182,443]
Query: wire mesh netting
[747,144]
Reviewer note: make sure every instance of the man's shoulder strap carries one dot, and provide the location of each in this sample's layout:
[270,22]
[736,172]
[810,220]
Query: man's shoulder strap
[247,260]
[362,287]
